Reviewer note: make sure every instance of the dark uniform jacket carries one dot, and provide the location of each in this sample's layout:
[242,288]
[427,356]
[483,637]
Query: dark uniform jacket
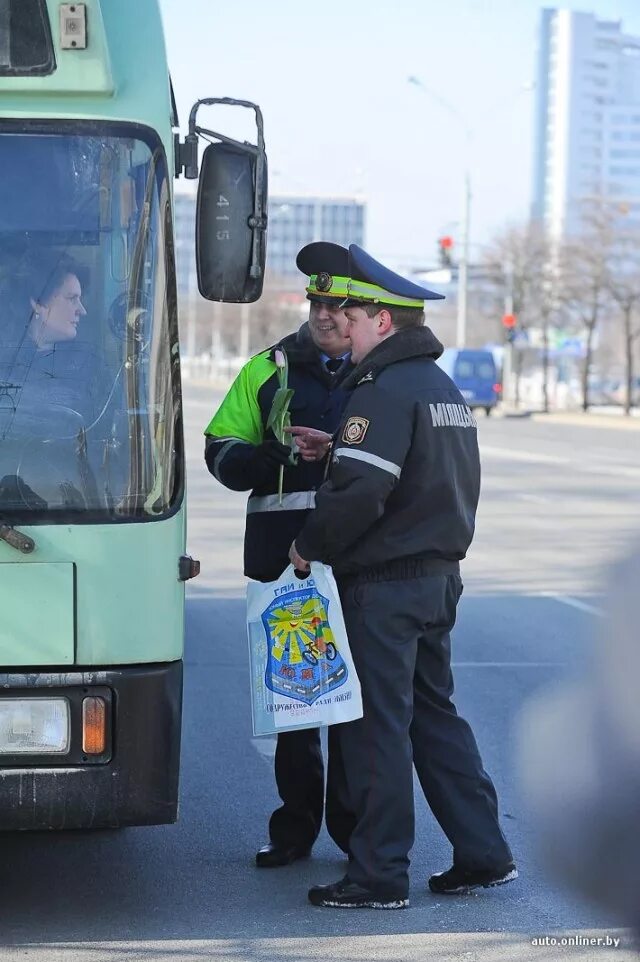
[66,375]
[404,480]
[240,424]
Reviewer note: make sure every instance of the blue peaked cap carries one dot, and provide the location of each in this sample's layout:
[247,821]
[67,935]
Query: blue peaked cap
[327,267]
[372,282]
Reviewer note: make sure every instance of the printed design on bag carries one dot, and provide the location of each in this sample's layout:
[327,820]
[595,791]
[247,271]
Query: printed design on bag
[355,430]
[303,660]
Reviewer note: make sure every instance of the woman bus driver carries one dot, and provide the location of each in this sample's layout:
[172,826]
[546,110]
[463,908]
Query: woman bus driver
[39,361]
[45,382]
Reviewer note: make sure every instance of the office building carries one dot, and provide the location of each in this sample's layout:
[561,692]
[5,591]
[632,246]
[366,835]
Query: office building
[298,220]
[587,138]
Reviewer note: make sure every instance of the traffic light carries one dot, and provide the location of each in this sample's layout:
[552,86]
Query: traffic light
[445,250]
[509,323]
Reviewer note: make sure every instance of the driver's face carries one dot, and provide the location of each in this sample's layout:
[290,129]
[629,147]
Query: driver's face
[59,319]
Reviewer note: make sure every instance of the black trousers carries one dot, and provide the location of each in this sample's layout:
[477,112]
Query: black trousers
[399,637]
[299,772]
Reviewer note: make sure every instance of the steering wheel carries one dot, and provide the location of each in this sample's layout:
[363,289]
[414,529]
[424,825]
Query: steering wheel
[41,422]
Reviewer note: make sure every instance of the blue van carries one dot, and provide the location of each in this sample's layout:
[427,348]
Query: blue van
[475,375]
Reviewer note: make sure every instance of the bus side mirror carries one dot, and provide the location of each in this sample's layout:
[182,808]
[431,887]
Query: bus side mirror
[231,224]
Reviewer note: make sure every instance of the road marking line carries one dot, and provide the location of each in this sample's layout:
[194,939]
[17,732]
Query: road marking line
[533,498]
[615,471]
[620,471]
[575,603]
[510,455]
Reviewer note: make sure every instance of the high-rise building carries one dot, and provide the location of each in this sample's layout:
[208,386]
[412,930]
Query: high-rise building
[587,142]
[298,220]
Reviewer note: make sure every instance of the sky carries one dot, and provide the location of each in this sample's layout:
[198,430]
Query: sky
[341,117]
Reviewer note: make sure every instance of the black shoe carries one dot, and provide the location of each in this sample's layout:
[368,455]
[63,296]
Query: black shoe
[458,881]
[273,856]
[347,895]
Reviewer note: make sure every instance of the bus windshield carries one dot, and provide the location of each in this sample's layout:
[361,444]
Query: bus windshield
[89,390]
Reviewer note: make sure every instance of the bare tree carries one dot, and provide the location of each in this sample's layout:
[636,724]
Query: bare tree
[575,283]
[217,328]
[275,315]
[508,263]
[526,276]
[584,265]
[624,287]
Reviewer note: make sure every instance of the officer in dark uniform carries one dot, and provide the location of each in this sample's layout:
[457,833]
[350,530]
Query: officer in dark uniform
[394,519]
[243,455]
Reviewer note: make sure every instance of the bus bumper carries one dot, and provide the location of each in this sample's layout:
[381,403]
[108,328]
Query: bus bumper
[135,781]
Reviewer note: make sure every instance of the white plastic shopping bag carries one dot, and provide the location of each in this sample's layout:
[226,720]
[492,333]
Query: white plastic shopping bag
[302,673]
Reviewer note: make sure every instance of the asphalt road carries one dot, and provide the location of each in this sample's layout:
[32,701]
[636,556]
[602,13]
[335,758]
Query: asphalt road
[559,503]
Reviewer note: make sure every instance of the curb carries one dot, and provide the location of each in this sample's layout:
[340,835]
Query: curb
[616,422]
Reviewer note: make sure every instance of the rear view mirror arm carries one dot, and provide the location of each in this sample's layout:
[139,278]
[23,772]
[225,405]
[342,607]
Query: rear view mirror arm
[187,160]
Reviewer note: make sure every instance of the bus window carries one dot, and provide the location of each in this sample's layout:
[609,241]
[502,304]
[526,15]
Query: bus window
[88,353]
[25,38]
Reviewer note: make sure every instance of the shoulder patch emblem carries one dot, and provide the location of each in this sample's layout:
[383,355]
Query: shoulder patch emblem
[355,430]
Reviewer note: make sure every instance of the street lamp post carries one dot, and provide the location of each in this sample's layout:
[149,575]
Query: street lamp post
[463,264]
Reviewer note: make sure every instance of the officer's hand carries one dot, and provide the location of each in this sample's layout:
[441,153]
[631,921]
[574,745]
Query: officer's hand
[298,563]
[312,444]
[271,454]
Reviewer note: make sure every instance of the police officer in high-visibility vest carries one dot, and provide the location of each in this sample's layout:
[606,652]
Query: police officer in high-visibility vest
[243,455]
[394,519]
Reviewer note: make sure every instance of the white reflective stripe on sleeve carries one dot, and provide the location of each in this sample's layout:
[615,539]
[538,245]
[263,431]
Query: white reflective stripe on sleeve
[218,458]
[292,501]
[373,459]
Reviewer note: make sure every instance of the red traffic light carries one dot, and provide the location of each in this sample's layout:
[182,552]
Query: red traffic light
[509,320]
[446,243]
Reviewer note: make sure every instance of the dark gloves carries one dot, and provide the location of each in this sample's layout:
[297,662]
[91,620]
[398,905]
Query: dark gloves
[271,454]
[264,461]
[244,466]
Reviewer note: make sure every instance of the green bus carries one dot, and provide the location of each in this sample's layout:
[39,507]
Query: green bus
[92,486]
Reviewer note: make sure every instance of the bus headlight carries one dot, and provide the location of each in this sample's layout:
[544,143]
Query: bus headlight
[34,726]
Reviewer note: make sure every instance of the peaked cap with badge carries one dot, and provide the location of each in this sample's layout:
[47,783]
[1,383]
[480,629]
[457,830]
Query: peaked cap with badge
[370,282]
[327,267]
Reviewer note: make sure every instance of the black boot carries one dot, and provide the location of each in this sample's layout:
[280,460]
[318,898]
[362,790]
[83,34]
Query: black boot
[273,856]
[458,881]
[346,894]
